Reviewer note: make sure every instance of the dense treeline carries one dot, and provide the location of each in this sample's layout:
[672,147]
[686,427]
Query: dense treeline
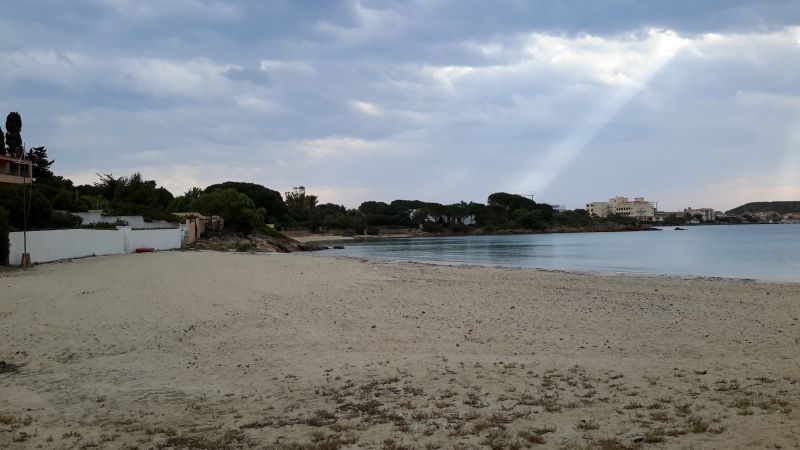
[248,207]
[502,211]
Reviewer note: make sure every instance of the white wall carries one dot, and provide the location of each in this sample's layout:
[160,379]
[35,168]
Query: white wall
[157,239]
[52,245]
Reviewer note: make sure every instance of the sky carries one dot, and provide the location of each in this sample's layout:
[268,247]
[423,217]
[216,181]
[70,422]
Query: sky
[684,102]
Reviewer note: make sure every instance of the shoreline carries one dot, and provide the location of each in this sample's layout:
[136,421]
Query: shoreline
[599,273]
[238,350]
[324,238]
[11,270]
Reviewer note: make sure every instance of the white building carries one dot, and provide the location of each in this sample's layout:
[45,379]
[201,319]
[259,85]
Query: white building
[638,208]
[705,214]
[599,209]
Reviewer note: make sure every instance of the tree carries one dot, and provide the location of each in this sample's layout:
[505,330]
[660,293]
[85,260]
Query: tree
[375,208]
[484,215]
[511,202]
[530,219]
[14,135]
[37,207]
[164,197]
[124,192]
[238,210]
[574,218]
[326,215]
[620,219]
[263,197]
[132,196]
[68,201]
[2,143]
[107,185]
[300,205]
[137,191]
[505,204]
[182,203]
[41,165]
[406,205]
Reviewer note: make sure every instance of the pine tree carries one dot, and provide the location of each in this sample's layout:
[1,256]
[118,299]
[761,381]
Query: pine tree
[2,143]
[41,165]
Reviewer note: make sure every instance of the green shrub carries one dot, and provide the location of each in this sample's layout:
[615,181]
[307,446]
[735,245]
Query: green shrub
[530,219]
[61,220]
[432,227]
[5,244]
[13,198]
[68,201]
[104,225]
[271,232]
[457,228]
[372,231]
[245,246]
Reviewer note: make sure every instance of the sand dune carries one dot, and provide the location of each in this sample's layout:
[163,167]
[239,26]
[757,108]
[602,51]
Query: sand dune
[219,350]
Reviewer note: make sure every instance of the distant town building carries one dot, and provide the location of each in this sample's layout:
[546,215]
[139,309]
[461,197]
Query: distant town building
[792,218]
[599,209]
[701,214]
[768,216]
[638,208]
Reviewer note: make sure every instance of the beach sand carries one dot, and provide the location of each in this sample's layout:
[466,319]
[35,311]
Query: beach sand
[222,350]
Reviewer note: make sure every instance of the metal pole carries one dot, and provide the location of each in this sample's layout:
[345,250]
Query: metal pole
[26,258]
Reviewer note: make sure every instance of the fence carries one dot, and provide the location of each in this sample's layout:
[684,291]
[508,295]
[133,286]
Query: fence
[52,245]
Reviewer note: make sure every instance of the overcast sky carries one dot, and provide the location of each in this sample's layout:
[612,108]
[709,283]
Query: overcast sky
[687,102]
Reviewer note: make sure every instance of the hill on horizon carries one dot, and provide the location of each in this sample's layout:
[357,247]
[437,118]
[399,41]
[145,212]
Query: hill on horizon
[784,207]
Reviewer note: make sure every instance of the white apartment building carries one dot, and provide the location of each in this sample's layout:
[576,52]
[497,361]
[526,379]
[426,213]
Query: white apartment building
[599,209]
[706,214]
[638,208]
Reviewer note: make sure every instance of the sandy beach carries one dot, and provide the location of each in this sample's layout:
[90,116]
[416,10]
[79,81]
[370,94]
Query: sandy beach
[223,350]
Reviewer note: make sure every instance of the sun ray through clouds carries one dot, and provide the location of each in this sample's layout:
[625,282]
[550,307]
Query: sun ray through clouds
[661,48]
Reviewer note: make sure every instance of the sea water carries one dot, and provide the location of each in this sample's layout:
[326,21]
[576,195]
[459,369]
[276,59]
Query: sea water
[763,252]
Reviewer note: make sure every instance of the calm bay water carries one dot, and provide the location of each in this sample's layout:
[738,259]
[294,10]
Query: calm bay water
[764,252]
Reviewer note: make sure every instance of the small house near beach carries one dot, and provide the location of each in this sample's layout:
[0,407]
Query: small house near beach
[15,171]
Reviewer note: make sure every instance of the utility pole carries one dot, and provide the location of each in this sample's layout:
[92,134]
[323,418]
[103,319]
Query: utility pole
[26,257]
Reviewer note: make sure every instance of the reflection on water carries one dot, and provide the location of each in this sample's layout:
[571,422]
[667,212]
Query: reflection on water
[767,252]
